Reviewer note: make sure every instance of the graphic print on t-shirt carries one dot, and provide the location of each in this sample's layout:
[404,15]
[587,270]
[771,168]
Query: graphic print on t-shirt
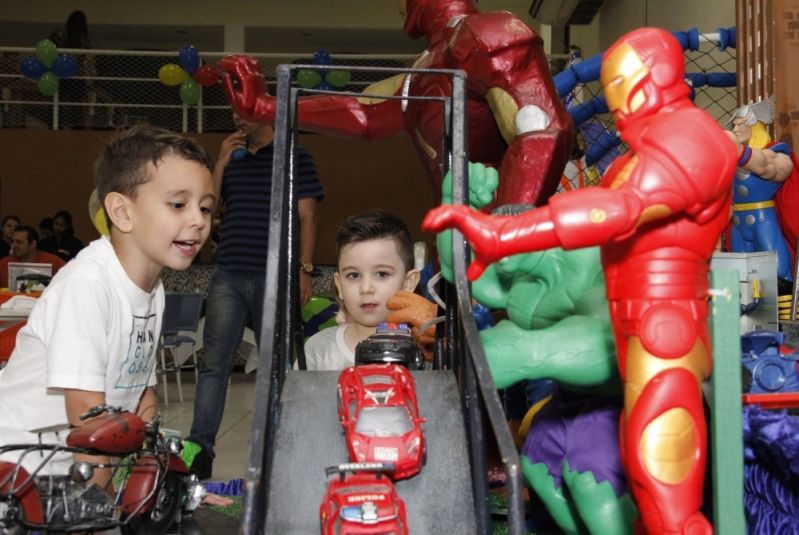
[137,365]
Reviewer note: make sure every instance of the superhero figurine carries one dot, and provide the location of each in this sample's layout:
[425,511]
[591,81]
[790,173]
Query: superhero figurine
[763,167]
[516,121]
[657,216]
[558,328]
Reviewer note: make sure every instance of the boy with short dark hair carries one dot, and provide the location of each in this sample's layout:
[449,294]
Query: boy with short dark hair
[92,336]
[375,261]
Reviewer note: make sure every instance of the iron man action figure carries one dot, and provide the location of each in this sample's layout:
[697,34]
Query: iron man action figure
[516,122]
[657,217]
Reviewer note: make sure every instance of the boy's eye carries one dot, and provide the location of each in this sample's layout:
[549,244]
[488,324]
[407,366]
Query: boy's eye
[383,274]
[177,205]
[205,209]
[351,275]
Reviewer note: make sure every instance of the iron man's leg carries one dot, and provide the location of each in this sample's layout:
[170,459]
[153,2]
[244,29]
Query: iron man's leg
[664,432]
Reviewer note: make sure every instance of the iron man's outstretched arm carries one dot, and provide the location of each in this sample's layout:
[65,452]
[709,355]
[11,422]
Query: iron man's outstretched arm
[505,62]
[580,218]
[368,117]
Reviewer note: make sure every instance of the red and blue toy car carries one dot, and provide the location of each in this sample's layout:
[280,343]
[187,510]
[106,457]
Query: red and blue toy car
[378,410]
[362,500]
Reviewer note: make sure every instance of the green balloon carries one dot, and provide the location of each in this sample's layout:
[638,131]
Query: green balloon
[338,78]
[46,51]
[48,84]
[308,79]
[189,92]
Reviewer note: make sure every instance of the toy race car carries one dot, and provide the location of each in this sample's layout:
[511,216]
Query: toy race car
[391,343]
[765,369]
[378,410]
[361,500]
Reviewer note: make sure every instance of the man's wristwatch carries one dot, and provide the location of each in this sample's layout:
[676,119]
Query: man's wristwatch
[306,267]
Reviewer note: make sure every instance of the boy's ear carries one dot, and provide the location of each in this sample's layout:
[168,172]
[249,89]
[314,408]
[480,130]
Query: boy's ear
[118,208]
[337,283]
[412,280]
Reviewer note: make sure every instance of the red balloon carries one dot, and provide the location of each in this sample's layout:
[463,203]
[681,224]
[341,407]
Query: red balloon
[207,75]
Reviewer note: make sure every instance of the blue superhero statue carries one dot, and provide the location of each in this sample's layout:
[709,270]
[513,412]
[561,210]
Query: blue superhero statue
[763,167]
[558,327]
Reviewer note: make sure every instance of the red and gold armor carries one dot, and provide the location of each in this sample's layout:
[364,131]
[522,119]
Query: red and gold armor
[516,122]
[657,216]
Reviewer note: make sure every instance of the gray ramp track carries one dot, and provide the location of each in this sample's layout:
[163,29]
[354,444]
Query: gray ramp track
[310,438]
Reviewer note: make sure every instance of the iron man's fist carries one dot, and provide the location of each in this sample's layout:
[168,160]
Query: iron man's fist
[481,230]
[244,83]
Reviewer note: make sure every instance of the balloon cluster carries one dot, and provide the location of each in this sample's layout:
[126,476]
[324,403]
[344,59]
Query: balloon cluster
[322,79]
[190,74]
[48,67]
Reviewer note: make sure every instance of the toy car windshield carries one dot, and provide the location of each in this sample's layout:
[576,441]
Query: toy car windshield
[383,421]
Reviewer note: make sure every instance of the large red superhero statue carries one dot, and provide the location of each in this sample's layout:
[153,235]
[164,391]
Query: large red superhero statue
[657,217]
[516,121]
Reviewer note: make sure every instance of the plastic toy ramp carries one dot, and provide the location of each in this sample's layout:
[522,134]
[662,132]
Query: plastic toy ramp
[310,438]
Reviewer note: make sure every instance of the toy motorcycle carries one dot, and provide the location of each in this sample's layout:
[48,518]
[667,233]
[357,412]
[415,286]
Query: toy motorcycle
[153,484]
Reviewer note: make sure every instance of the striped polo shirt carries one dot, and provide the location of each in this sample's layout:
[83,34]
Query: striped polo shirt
[246,193]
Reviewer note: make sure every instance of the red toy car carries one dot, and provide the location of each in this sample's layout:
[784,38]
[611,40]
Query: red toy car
[362,502]
[377,407]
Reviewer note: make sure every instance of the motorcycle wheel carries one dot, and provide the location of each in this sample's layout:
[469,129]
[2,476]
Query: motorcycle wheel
[11,529]
[165,512]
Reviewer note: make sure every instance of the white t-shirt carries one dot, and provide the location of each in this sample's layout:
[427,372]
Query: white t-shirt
[92,329]
[327,350]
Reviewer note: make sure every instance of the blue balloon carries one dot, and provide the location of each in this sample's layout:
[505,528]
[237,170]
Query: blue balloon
[189,59]
[32,68]
[321,57]
[65,65]
[324,86]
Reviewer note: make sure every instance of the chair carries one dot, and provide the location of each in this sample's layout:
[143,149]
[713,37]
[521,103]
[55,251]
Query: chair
[179,327]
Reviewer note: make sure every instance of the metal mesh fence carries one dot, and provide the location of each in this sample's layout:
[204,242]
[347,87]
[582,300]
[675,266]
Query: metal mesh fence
[709,70]
[114,89]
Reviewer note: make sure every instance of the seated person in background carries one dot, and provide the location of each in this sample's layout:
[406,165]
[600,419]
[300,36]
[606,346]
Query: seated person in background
[25,248]
[63,241]
[45,228]
[375,261]
[10,223]
[92,335]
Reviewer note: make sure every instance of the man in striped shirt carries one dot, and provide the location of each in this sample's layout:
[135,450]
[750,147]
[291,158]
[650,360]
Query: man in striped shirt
[243,177]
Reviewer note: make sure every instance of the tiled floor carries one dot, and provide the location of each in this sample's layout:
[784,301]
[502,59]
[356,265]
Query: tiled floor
[232,442]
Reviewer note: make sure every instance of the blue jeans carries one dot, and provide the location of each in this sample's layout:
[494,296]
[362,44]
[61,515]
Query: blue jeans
[233,297]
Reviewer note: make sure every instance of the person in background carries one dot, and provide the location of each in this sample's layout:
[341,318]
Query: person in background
[375,261]
[72,91]
[63,241]
[24,248]
[45,228]
[243,181]
[10,224]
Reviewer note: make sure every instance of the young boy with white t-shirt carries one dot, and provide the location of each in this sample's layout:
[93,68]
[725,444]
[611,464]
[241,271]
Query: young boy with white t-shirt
[91,337]
[375,261]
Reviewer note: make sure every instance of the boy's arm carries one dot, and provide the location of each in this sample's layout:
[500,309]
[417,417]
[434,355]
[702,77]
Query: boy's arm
[148,405]
[78,402]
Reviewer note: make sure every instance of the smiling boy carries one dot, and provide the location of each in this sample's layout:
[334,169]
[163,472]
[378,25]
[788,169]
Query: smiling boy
[91,337]
[375,261]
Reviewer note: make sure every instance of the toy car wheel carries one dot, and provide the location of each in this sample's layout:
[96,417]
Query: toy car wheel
[165,512]
[424,457]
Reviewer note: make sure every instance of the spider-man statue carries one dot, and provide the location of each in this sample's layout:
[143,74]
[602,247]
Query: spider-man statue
[657,217]
[516,122]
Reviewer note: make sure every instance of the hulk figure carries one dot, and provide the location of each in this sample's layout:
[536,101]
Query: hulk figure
[557,328]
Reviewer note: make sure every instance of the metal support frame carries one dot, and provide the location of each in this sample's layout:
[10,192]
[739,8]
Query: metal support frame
[281,316]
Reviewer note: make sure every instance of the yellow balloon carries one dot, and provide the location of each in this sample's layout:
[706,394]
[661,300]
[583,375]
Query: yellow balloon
[172,74]
[97,214]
